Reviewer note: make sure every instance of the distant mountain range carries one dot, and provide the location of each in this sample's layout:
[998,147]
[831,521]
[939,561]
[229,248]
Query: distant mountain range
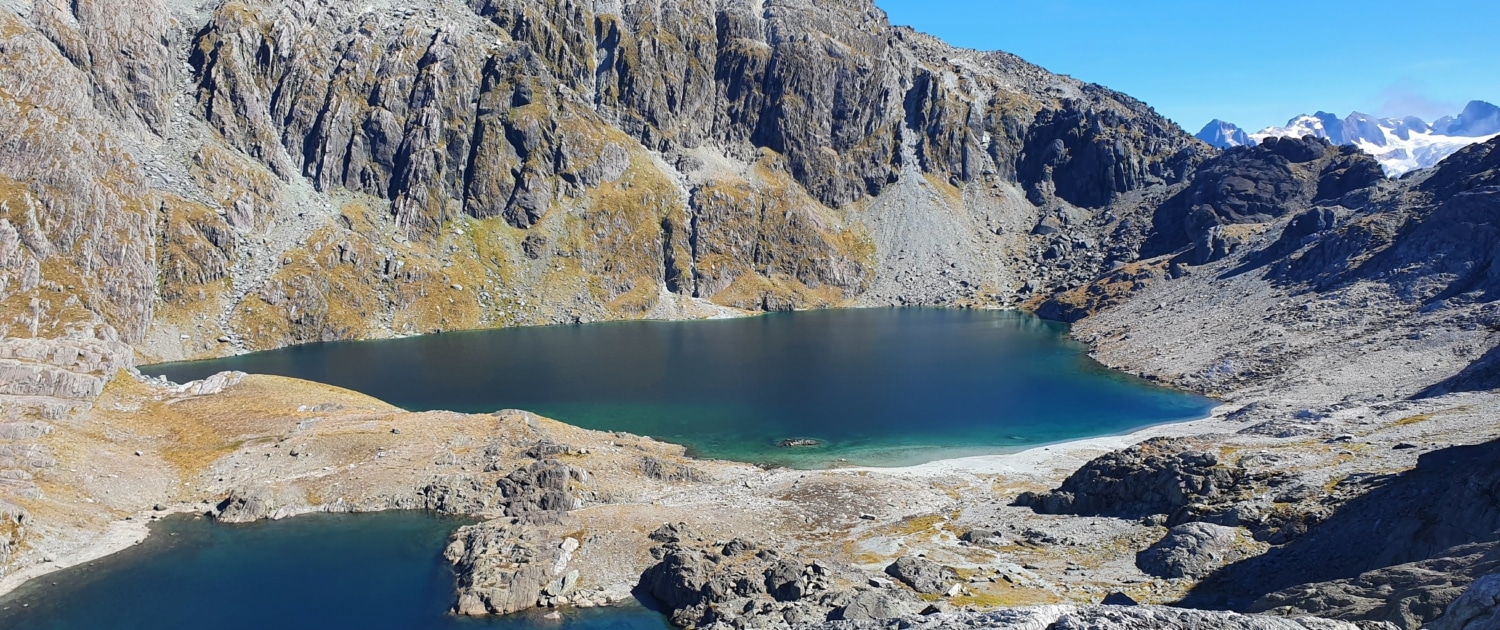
[1400,145]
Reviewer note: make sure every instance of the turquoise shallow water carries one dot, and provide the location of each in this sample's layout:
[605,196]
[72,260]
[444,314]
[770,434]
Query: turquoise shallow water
[873,387]
[315,572]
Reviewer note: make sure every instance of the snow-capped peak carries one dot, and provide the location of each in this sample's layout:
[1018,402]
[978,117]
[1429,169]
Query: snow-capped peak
[1298,127]
[1400,145]
[1224,135]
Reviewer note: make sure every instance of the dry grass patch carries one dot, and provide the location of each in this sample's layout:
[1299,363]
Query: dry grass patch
[997,596]
[1424,417]
[919,524]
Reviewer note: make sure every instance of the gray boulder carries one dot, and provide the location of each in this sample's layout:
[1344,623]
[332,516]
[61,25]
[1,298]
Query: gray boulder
[876,605]
[978,536]
[1477,609]
[924,576]
[1193,550]
[1158,476]
[784,581]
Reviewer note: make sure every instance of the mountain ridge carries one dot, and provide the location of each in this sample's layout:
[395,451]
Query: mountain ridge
[1401,144]
[482,145]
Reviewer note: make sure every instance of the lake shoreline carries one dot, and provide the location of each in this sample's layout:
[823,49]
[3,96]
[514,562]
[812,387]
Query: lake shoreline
[869,387]
[1064,455]
[1046,461]
[284,447]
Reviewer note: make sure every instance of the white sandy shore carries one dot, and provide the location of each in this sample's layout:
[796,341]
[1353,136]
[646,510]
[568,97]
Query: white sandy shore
[1048,461]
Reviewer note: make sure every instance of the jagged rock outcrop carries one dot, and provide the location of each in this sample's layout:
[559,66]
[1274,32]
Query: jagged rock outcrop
[655,468]
[247,505]
[1113,287]
[1478,608]
[1255,185]
[1423,536]
[1086,156]
[506,566]
[76,224]
[47,373]
[43,382]
[702,583]
[542,487]
[13,521]
[1476,166]
[1161,476]
[1409,595]
[1430,240]
[520,560]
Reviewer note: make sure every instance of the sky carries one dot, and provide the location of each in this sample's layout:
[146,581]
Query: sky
[1254,64]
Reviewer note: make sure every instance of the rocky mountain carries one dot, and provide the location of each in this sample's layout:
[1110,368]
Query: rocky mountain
[1354,305]
[1478,119]
[1224,135]
[247,175]
[1401,145]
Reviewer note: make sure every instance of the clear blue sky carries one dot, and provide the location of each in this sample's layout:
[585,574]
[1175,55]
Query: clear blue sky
[1251,63]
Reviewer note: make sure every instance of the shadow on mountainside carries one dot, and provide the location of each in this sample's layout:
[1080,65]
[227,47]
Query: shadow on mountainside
[1451,499]
[1481,375]
[1439,246]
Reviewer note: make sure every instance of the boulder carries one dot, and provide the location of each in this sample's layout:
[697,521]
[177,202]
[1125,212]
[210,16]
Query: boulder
[1194,550]
[1477,609]
[700,583]
[922,575]
[784,581]
[876,605]
[1158,476]
[978,536]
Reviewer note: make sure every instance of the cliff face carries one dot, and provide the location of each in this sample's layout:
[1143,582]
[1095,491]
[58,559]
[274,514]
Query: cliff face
[496,108]
[272,172]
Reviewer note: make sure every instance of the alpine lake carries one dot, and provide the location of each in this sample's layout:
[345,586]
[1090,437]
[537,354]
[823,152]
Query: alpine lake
[877,387]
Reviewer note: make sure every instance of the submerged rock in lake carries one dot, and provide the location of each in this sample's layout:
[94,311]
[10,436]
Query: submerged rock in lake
[799,443]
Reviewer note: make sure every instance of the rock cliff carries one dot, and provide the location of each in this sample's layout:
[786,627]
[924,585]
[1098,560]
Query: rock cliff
[251,174]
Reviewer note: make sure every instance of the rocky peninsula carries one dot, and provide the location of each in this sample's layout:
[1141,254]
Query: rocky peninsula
[184,180]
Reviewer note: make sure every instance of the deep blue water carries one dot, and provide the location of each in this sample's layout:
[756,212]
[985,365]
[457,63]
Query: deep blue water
[875,386]
[314,572]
